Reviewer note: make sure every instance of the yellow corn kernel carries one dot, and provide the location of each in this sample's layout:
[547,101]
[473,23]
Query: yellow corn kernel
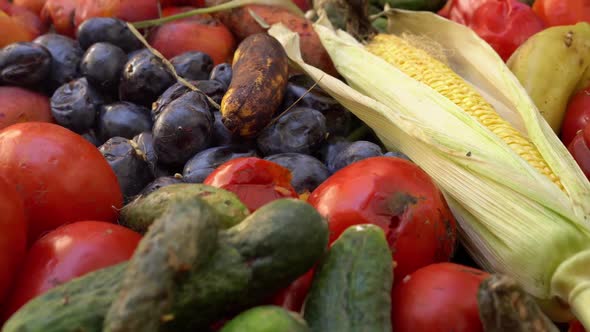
[421,66]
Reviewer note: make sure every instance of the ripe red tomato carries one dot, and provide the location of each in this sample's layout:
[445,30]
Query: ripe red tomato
[292,297]
[576,326]
[68,252]
[33,5]
[439,297]
[581,153]
[577,115]
[397,196]
[562,12]
[60,14]
[255,181]
[190,3]
[127,10]
[198,33]
[18,24]
[61,177]
[22,105]
[505,24]
[13,239]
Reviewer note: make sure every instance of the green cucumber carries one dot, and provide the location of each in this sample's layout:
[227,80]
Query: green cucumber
[182,239]
[351,290]
[266,319]
[261,255]
[140,213]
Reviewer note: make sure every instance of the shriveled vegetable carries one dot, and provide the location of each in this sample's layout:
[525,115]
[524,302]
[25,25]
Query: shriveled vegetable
[514,218]
[260,73]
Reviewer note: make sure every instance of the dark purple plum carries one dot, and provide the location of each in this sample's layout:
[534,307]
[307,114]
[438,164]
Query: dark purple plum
[91,137]
[221,135]
[308,172]
[145,77]
[300,130]
[182,129]
[24,64]
[205,162]
[123,119]
[66,55]
[193,65]
[126,160]
[102,65]
[222,73]
[75,105]
[397,155]
[212,88]
[109,30]
[352,153]
[331,147]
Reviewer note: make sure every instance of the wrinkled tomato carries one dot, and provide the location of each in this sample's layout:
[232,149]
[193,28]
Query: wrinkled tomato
[13,239]
[562,12]
[398,196]
[255,181]
[68,252]
[505,24]
[61,177]
[439,297]
[577,116]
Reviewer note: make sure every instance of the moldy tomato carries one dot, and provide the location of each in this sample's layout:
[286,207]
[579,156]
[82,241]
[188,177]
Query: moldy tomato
[439,297]
[398,196]
[61,177]
[255,181]
[68,252]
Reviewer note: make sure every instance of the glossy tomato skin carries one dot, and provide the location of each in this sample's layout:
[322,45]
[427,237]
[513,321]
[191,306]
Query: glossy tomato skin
[439,297]
[13,239]
[505,25]
[398,196]
[67,252]
[577,115]
[255,181]
[61,177]
[562,12]
[293,297]
[201,33]
[581,153]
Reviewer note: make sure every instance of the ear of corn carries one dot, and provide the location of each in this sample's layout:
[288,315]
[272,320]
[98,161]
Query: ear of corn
[516,220]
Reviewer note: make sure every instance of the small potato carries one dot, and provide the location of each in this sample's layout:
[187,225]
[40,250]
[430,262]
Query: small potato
[260,73]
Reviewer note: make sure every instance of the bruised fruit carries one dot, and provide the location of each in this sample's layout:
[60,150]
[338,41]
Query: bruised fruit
[24,64]
[198,33]
[21,105]
[75,105]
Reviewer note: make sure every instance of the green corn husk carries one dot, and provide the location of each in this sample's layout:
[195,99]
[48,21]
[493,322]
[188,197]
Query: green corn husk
[515,220]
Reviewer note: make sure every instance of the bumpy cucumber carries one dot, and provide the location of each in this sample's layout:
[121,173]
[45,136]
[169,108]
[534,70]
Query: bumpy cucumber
[139,214]
[351,290]
[182,239]
[266,319]
[262,254]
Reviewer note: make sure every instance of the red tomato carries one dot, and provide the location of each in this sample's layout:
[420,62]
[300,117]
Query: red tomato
[562,12]
[33,5]
[127,10]
[460,11]
[18,24]
[505,24]
[581,153]
[255,181]
[198,33]
[576,326]
[21,105]
[190,3]
[292,297]
[577,115]
[62,177]
[439,297]
[397,196]
[60,14]
[13,242]
[68,252]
